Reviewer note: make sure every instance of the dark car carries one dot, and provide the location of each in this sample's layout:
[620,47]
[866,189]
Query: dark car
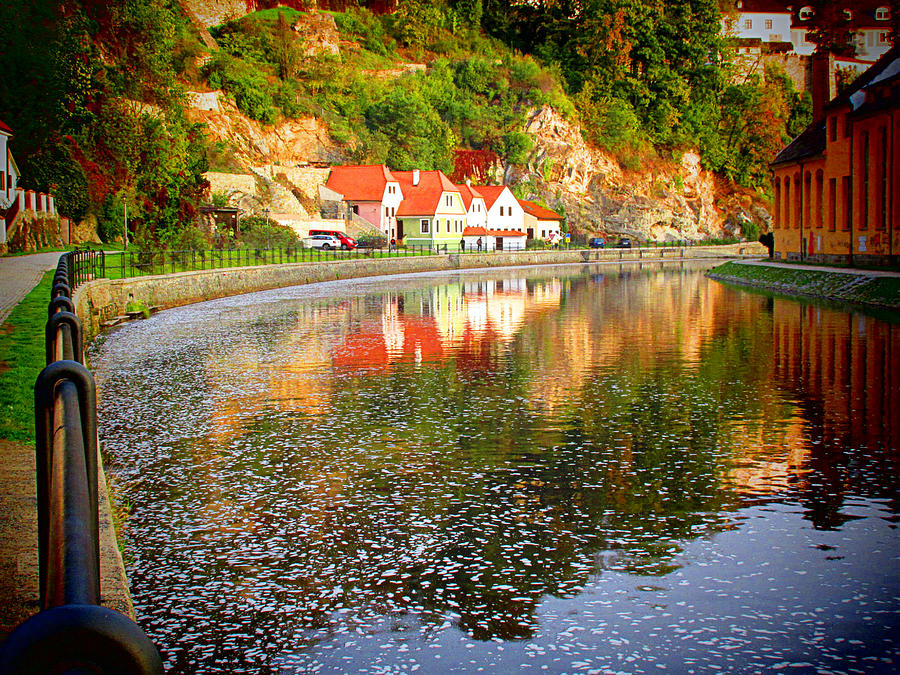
[597,242]
[624,243]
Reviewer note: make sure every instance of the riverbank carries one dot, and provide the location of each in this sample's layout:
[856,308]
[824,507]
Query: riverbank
[99,302]
[875,289]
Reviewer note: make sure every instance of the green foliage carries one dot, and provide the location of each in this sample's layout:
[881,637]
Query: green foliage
[259,232]
[516,147]
[252,93]
[371,240]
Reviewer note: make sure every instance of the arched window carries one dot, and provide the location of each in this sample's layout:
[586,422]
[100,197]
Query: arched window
[883,14]
[806,13]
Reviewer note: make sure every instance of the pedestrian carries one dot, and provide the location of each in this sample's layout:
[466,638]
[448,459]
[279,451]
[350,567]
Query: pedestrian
[479,243]
[462,245]
[392,245]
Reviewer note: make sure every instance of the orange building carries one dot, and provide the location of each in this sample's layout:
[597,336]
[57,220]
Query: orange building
[837,184]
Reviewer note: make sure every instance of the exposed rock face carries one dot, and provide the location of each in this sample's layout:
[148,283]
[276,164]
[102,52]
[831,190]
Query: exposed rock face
[292,141]
[319,34]
[208,13]
[665,201]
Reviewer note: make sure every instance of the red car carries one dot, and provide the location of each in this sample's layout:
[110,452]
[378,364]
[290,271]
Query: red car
[347,242]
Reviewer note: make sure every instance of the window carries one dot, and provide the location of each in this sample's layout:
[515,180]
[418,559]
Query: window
[845,202]
[807,200]
[776,222]
[424,225]
[883,189]
[832,202]
[883,14]
[848,14]
[805,13]
[820,199]
[787,202]
[768,24]
[884,38]
[832,128]
[795,217]
[748,23]
[864,197]
[2,180]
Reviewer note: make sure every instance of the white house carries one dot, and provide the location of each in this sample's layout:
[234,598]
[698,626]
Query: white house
[9,175]
[763,20]
[476,209]
[541,222]
[503,209]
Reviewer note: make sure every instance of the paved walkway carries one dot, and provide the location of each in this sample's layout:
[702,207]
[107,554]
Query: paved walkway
[19,274]
[18,500]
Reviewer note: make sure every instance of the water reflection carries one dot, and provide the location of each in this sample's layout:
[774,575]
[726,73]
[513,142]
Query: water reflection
[344,476]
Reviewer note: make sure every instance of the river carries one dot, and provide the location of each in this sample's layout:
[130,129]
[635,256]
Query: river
[584,468]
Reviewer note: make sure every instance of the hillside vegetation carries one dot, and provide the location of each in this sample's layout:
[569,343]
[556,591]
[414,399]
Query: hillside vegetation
[97,103]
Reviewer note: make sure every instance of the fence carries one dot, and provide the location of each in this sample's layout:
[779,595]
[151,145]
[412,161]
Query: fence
[72,632]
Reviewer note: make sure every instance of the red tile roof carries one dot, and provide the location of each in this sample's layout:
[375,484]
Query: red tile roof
[424,198]
[360,183]
[468,194]
[490,193]
[483,231]
[539,211]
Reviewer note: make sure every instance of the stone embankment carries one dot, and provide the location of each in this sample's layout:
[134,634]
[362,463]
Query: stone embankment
[101,299]
[879,289]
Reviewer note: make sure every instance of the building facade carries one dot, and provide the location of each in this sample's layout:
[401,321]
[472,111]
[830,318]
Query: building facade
[837,185]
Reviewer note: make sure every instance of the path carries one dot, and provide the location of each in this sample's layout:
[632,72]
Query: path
[19,274]
[18,500]
[867,272]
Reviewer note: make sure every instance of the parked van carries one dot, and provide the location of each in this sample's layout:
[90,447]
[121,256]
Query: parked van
[347,242]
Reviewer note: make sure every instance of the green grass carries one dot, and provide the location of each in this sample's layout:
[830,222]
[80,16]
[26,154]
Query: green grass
[22,357]
[884,291]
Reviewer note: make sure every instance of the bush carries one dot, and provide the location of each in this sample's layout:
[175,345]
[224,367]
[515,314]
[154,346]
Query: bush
[258,232]
[371,240]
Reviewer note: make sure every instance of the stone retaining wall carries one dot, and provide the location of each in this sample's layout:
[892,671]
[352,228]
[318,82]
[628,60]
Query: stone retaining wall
[101,299]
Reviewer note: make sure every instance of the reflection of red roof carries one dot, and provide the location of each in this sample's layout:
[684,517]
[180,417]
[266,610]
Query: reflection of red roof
[539,211]
[361,350]
[468,194]
[425,198]
[5,129]
[361,183]
[491,193]
[483,231]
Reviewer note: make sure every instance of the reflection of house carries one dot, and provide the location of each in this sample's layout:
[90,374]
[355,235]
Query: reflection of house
[432,212]
[370,192]
[836,185]
[540,222]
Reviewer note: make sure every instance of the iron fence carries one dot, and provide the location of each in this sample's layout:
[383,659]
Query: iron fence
[72,632]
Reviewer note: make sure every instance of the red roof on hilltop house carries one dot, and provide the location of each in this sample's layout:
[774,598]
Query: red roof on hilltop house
[468,194]
[484,232]
[5,128]
[424,198]
[490,193]
[539,211]
[362,183]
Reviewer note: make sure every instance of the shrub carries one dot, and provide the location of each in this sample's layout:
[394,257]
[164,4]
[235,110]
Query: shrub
[259,232]
[371,240]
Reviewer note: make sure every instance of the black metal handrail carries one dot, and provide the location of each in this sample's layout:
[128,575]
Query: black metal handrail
[72,632]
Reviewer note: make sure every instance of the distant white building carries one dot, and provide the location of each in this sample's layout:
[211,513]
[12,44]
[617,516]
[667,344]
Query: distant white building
[9,175]
[763,20]
[503,209]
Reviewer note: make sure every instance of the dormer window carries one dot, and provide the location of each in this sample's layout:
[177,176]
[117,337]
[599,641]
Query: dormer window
[883,14]
[848,14]
[805,13]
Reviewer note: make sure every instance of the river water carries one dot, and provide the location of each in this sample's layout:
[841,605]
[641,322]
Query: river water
[604,468]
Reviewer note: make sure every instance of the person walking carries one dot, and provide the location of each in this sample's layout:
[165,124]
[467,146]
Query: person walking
[479,243]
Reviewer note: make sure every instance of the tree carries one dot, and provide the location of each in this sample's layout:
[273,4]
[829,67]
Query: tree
[286,48]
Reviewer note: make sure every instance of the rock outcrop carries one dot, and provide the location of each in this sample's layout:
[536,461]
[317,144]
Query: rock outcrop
[662,201]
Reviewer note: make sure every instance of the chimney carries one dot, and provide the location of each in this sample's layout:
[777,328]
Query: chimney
[822,83]
[415,176]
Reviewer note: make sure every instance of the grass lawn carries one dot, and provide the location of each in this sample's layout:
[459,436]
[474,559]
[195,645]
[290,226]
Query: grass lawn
[22,358]
[876,290]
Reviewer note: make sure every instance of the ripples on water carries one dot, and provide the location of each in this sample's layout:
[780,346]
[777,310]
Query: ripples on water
[571,469]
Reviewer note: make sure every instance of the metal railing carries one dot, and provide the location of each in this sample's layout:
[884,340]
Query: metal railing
[72,633]
[130,264]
